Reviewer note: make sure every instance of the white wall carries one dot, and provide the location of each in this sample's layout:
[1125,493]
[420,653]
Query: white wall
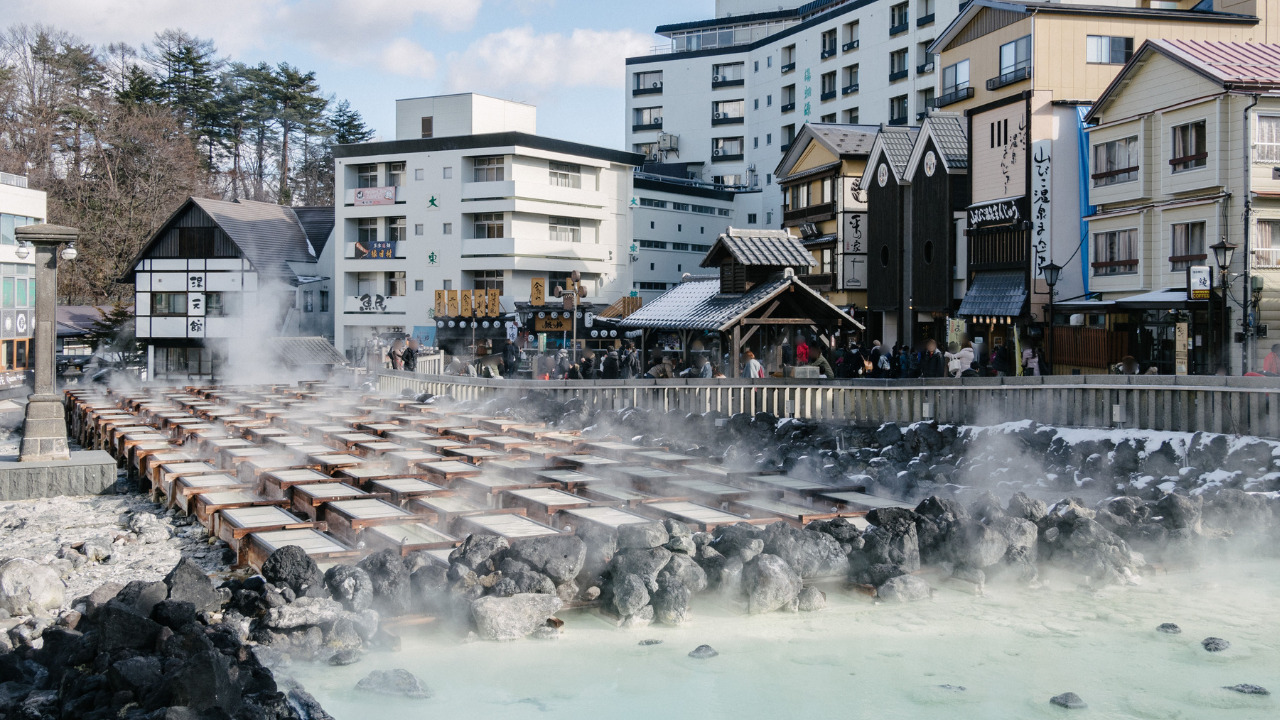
[673,226]
[463,114]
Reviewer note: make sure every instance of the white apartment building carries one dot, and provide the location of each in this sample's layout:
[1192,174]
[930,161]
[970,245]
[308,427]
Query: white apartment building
[728,95]
[19,206]
[469,197]
[675,223]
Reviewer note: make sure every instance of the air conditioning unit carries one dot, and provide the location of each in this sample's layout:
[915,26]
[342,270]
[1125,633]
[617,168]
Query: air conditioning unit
[651,157]
[715,78]
[667,141]
[657,121]
[717,116]
[657,85]
[751,167]
[716,152]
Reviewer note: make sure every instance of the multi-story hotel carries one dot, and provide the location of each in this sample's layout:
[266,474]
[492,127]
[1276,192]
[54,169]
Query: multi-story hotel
[469,197]
[19,205]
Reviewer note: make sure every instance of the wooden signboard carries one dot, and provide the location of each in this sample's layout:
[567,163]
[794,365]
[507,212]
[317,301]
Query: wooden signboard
[442,303]
[464,304]
[494,302]
[452,302]
[537,291]
[481,300]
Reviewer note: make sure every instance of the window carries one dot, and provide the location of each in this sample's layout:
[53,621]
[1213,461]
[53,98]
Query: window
[850,35]
[751,218]
[897,64]
[397,286]
[755,142]
[417,229]
[1188,245]
[828,85]
[1116,161]
[417,286]
[366,176]
[768,100]
[955,77]
[768,217]
[850,79]
[396,229]
[727,73]
[755,66]
[649,149]
[728,109]
[428,127]
[1105,50]
[924,12]
[1015,56]
[1116,252]
[647,117]
[768,61]
[565,229]
[898,110]
[796,197]
[649,80]
[489,225]
[489,280]
[899,18]
[489,169]
[755,104]
[650,286]
[650,202]
[684,247]
[788,98]
[926,100]
[704,209]
[1266,139]
[446,229]
[828,118]
[721,147]
[727,180]
[565,174]
[1189,150]
[367,231]
[395,174]
[680,206]
[788,58]
[788,134]
[419,175]
[653,245]
[447,173]
[851,116]
[324,301]
[828,44]
[1266,247]
[222,304]
[768,138]
[169,303]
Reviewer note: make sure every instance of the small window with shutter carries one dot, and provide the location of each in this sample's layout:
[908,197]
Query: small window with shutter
[427,126]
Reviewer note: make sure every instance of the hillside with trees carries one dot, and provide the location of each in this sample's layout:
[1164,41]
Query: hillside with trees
[118,136]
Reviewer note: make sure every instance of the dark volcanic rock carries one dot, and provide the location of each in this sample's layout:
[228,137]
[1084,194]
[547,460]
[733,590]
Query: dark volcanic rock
[703,652]
[642,536]
[389,577]
[1215,644]
[291,567]
[477,551]
[394,682]
[350,586]
[174,614]
[771,584]
[119,627]
[559,557]
[1169,628]
[188,583]
[1247,689]
[1068,700]
[344,657]
[140,597]
[629,594]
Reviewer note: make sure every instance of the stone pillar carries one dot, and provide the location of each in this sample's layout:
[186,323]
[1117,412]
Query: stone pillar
[44,433]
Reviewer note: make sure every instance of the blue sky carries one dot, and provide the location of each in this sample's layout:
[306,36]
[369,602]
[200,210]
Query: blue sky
[565,56]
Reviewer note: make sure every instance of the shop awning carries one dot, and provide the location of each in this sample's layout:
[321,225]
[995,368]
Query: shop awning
[1167,299]
[995,294]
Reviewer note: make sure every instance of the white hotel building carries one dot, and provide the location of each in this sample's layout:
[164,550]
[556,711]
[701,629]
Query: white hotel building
[728,95]
[469,197]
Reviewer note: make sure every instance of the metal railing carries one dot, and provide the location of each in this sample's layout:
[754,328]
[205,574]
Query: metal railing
[1231,405]
[14,180]
[1266,257]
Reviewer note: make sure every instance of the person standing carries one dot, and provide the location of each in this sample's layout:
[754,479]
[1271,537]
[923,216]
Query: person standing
[932,363]
[395,356]
[410,356]
[802,351]
[510,359]
[1271,363]
[753,368]
[704,367]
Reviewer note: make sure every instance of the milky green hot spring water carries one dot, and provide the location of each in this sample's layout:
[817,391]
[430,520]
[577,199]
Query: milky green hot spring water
[1010,651]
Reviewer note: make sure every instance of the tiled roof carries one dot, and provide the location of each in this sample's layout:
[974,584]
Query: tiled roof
[698,305]
[269,235]
[948,132]
[1000,294]
[1230,63]
[317,223]
[302,351]
[751,246]
[845,139]
[811,172]
[898,142]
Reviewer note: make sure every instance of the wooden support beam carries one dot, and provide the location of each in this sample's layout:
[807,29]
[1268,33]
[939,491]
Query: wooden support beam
[778,321]
[735,356]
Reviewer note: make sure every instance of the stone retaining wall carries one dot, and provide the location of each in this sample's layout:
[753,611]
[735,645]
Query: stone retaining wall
[88,472]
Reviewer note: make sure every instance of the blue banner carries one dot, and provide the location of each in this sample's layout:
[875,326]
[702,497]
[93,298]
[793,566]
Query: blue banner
[379,250]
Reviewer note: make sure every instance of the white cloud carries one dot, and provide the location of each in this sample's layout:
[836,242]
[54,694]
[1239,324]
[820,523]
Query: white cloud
[518,59]
[235,25]
[406,57]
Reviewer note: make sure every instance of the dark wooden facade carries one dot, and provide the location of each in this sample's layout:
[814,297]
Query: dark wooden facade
[934,199]
[884,240]
[192,235]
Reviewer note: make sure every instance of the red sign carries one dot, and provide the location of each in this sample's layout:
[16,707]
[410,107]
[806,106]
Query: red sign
[375,196]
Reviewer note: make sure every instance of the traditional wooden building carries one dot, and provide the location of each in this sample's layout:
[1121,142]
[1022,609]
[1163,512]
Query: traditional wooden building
[219,277]
[755,302]
[888,217]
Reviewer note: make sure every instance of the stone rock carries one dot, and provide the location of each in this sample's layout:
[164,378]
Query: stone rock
[1169,628]
[883,546]
[644,618]
[567,591]
[671,601]
[770,584]
[1068,700]
[120,627]
[188,583]
[291,567]
[303,612]
[394,682]
[739,541]
[839,528]
[174,614]
[645,563]
[1026,508]
[875,575]
[894,519]
[702,652]
[559,557]
[350,586]
[28,588]
[141,596]
[650,641]
[97,548]
[978,546]
[630,594]
[100,596]
[389,577]
[344,657]
[904,588]
[477,551]
[342,635]
[812,554]
[1215,644]
[682,544]
[1020,535]
[1180,512]
[138,674]
[811,599]
[512,618]
[148,528]
[685,571]
[642,536]
[1247,689]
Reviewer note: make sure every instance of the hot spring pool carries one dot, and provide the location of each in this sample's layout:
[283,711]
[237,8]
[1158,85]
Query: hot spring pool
[1011,651]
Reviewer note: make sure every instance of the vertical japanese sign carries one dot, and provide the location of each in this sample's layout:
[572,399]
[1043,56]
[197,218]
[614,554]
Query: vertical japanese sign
[464,303]
[1041,208]
[452,302]
[1199,282]
[494,302]
[537,291]
[442,303]
[853,245]
[808,90]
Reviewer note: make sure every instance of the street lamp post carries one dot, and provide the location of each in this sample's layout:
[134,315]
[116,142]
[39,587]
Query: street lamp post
[1223,252]
[1051,272]
[44,431]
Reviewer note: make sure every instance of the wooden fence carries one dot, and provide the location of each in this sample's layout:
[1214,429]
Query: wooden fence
[1089,347]
[1240,406]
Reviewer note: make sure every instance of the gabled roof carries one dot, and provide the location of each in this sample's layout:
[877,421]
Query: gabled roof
[950,136]
[895,143]
[765,248]
[1253,67]
[842,141]
[317,223]
[699,305]
[1119,13]
[269,235]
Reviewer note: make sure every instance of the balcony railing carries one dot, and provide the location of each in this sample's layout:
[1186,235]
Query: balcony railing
[827,95]
[813,213]
[896,75]
[924,20]
[1266,257]
[654,89]
[654,124]
[953,97]
[788,107]
[849,89]
[722,156]
[726,119]
[898,121]
[1009,78]
[788,67]
[828,52]
[723,81]
[14,180]
[895,29]
[851,45]
[924,68]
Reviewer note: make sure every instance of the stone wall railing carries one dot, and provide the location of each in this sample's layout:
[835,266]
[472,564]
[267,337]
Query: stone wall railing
[1243,406]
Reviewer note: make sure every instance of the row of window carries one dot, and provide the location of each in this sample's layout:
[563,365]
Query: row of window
[802,196]
[483,169]
[688,207]
[1119,161]
[216,304]
[678,246]
[484,225]
[1117,252]
[9,223]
